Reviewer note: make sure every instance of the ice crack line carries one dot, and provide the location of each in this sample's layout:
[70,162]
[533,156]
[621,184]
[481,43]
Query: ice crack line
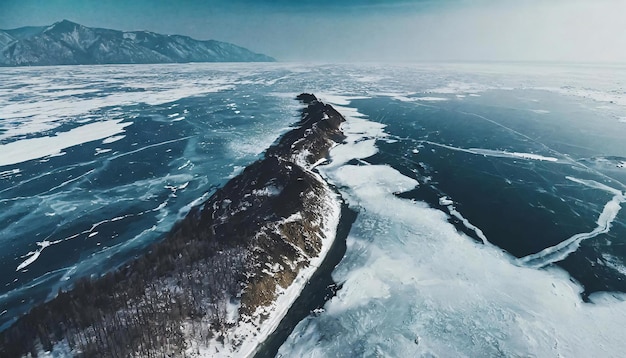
[562,250]
[495,153]
[550,150]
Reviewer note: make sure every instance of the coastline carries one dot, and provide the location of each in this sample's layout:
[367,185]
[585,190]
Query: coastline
[308,146]
[319,289]
[258,335]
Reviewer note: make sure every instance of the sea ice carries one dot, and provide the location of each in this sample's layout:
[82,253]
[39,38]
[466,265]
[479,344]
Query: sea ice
[408,272]
[34,148]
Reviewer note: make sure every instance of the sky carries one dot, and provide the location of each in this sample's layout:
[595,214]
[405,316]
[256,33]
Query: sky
[363,30]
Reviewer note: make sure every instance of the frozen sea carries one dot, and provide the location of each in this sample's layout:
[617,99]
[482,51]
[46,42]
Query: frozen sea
[488,196]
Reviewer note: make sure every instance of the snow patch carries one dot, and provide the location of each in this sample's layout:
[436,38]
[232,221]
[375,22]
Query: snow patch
[34,148]
[444,200]
[270,190]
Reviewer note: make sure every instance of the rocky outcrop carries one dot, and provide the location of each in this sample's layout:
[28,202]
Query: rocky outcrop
[69,43]
[220,282]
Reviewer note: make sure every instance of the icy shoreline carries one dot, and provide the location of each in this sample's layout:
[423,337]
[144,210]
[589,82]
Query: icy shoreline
[255,335]
[308,146]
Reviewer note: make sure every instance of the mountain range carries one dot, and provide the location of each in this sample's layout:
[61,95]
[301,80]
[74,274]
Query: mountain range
[68,43]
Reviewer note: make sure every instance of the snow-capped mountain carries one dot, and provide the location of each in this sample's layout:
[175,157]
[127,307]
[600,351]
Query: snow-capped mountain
[69,43]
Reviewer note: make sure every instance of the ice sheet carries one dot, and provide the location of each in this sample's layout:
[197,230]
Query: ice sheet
[413,286]
[34,148]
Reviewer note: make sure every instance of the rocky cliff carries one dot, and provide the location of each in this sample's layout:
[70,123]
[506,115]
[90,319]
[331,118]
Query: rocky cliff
[69,43]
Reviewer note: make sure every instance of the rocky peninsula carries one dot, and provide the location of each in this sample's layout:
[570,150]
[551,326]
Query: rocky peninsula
[223,278]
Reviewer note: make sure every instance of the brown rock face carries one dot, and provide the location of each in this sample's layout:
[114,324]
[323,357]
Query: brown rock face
[240,248]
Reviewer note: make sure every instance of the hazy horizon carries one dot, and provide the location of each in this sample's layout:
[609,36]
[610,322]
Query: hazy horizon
[364,30]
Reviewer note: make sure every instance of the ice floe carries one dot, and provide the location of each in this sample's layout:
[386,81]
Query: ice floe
[39,147]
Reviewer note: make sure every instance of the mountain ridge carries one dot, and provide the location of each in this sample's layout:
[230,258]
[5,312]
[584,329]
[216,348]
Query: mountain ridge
[69,43]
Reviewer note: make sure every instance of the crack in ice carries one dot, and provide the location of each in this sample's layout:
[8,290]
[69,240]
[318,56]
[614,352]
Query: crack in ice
[562,250]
